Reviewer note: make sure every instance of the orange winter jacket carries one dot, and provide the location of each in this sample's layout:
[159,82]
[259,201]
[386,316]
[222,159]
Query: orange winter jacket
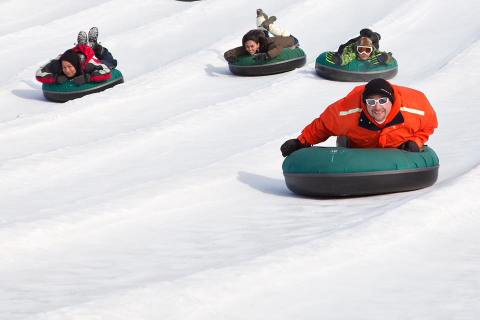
[411,118]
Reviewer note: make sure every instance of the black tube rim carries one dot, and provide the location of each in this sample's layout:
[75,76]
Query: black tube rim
[360,184]
[268,69]
[64,96]
[360,174]
[353,76]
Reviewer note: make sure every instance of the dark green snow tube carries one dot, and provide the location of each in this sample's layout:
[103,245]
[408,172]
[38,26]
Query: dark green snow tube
[288,60]
[355,71]
[337,172]
[69,90]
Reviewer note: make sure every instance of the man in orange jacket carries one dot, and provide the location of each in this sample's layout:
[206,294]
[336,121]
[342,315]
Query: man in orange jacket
[375,115]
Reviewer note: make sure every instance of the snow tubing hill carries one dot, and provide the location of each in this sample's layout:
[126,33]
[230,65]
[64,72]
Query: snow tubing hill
[69,90]
[288,60]
[355,71]
[337,172]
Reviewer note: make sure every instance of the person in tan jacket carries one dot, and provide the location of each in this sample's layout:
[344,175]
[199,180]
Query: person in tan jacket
[259,44]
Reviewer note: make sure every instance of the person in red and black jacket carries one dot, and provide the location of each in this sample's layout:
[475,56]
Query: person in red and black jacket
[88,61]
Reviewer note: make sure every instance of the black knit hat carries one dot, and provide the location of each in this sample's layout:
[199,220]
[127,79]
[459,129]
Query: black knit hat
[71,57]
[378,86]
[253,35]
[374,36]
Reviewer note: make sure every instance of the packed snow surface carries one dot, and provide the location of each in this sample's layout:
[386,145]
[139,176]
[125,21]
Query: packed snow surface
[163,198]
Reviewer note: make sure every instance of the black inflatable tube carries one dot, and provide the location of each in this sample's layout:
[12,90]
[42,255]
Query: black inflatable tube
[56,96]
[351,76]
[360,184]
[268,69]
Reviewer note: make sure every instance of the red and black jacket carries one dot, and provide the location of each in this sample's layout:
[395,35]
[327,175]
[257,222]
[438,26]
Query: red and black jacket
[90,65]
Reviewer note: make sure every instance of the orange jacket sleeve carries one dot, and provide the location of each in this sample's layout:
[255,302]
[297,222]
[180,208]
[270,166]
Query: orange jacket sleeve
[428,123]
[325,126]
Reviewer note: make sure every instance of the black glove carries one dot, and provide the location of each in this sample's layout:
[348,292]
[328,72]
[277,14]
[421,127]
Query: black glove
[81,79]
[337,59]
[290,146]
[231,59]
[261,57]
[61,79]
[340,49]
[383,58]
[410,146]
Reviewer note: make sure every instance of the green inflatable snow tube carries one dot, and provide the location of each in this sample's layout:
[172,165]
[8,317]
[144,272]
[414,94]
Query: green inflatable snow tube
[69,90]
[355,71]
[288,60]
[337,172]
